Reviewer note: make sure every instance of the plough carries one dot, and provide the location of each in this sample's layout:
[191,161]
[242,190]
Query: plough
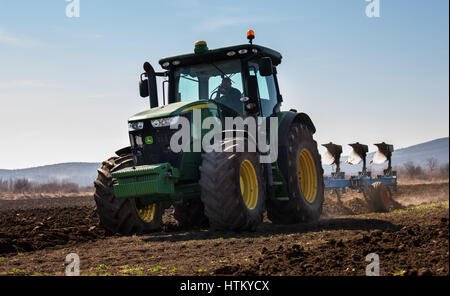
[377,190]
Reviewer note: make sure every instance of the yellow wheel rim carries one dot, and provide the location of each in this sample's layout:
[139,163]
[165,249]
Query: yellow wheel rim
[249,184]
[147,213]
[307,175]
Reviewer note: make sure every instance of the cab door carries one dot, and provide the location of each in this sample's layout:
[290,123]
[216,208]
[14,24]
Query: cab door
[267,90]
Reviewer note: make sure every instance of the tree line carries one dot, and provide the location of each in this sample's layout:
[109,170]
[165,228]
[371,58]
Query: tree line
[431,170]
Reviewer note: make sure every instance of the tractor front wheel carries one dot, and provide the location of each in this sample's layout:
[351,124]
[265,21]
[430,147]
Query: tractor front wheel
[232,187]
[123,216]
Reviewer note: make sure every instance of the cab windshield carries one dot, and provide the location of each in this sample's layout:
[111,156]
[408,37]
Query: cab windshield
[219,81]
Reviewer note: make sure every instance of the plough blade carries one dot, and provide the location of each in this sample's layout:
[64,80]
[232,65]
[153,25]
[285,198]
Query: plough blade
[379,158]
[328,158]
[383,154]
[358,153]
[333,154]
[353,158]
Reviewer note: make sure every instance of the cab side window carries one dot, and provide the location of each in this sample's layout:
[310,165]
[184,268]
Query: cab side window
[267,90]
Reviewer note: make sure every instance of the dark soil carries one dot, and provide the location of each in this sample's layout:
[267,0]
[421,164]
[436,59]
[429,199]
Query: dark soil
[36,235]
[30,230]
[417,246]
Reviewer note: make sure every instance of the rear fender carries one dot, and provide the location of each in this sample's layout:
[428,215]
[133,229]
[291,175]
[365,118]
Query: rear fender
[286,119]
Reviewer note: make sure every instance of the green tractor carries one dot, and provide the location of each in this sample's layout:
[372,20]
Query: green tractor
[228,188]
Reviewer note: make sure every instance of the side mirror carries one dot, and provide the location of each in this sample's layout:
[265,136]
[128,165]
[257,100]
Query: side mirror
[265,67]
[151,90]
[143,87]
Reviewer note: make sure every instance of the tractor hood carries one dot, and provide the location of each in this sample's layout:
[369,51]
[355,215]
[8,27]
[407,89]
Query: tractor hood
[172,109]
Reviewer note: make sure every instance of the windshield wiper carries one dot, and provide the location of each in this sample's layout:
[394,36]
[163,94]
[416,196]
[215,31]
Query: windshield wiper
[192,79]
[223,73]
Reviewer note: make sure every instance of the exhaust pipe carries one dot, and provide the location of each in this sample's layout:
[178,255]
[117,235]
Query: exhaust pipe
[151,80]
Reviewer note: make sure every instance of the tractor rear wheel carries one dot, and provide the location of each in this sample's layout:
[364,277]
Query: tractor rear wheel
[123,216]
[379,197]
[191,214]
[304,175]
[232,187]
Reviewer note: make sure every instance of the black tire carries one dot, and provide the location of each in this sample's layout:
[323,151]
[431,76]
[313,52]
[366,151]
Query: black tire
[191,214]
[121,215]
[221,189]
[379,197]
[297,208]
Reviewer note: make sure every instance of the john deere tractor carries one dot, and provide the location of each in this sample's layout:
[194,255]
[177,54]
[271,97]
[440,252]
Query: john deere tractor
[227,188]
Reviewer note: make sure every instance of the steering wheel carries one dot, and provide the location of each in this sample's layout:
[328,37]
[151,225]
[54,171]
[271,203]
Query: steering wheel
[217,93]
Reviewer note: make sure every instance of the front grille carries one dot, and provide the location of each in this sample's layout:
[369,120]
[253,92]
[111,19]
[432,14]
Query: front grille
[157,152]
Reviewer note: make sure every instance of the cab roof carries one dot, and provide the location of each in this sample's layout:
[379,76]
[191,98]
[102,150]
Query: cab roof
[220,54]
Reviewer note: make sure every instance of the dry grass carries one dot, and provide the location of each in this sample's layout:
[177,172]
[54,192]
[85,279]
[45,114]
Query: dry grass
[405,181]
[23,189]
[26,186]
[28,196]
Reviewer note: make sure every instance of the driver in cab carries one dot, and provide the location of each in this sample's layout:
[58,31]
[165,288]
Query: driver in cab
[231,97]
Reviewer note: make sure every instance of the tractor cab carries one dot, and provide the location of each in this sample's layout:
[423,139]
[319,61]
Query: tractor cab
[240,79]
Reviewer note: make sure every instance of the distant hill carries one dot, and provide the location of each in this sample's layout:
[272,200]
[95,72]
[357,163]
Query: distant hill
[85,173]
[419,154]
[81,173]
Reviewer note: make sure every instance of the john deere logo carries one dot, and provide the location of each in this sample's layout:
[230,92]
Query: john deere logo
[149,140]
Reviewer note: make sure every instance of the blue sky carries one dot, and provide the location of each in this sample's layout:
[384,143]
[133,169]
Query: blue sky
[68,85]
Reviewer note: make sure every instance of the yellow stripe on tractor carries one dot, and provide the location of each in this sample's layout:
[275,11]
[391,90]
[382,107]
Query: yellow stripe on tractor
[201,106]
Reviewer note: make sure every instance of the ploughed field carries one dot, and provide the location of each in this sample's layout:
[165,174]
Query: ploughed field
[37,234]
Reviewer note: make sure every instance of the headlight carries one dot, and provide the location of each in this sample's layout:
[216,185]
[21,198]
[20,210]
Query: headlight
[135,126]
[162,122]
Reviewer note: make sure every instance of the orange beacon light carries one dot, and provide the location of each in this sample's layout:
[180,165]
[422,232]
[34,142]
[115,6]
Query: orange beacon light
[250,36]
